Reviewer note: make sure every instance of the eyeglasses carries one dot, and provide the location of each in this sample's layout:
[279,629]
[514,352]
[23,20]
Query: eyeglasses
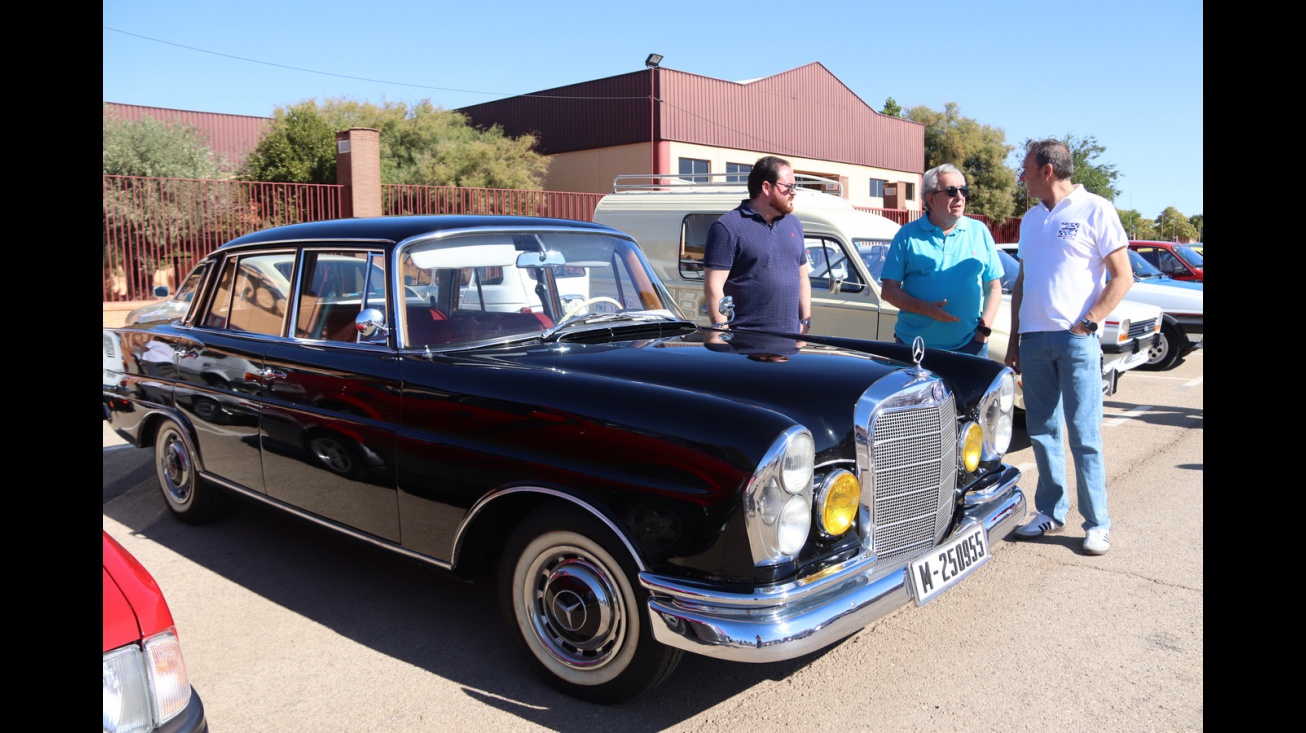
[785,189]
[952,191]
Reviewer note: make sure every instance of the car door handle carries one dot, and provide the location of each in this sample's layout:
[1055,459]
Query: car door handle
[269,374]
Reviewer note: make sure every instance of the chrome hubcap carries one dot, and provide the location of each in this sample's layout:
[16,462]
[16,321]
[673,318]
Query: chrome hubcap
[176,468]
[575,610]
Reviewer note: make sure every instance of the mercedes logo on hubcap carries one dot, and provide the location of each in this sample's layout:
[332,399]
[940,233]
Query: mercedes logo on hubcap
[569,610]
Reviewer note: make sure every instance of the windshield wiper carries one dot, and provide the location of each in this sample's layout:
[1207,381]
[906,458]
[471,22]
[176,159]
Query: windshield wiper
[591,319]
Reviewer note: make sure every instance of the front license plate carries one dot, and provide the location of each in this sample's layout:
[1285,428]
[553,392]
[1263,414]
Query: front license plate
[946,564]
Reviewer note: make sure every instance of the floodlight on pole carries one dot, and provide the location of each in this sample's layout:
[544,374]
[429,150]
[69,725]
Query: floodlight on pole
[652,63]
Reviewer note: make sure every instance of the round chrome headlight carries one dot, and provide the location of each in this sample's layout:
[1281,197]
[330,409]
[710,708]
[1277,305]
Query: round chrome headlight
[799,457]
[795,522]
[1007,396]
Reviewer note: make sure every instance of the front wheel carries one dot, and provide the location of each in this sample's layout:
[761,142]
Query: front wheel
[1164,354]
[189,497]
[568,590]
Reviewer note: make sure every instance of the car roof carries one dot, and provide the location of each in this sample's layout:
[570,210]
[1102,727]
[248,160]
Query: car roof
[394,229]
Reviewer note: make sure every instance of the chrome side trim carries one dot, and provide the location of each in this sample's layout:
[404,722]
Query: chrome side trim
[771,624]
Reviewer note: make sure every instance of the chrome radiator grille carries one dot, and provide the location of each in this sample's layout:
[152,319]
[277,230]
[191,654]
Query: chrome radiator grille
[913,467]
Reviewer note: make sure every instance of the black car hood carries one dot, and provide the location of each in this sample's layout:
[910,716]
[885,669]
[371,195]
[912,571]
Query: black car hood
[812,384]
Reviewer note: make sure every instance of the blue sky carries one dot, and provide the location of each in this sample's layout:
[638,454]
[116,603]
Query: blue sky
[1127,73]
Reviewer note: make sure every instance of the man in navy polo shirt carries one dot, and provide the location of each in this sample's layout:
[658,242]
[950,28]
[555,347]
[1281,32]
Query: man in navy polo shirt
[755,254]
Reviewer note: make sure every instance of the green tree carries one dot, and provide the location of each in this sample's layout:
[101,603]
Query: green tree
[1173,226]
[299,147]
[1136,225]
[891,108]
[1196,221]
[978,150]
[149,147]
[422,144]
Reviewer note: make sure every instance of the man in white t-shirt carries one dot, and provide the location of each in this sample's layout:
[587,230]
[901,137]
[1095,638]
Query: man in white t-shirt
[1069,242]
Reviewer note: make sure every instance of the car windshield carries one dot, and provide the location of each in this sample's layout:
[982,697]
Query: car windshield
[1144,270]
[1191,255]
[872,252]
[490,286]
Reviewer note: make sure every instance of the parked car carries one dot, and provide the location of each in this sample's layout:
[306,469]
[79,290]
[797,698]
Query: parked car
[1181,325]
[1180,261]
[146,687]
[636,485]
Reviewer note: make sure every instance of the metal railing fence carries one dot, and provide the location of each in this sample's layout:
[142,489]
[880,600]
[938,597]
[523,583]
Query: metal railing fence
[155,229]
[398,200]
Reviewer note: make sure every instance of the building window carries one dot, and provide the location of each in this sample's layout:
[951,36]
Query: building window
[911,191]
[877,188]
[739,172]
[694,170]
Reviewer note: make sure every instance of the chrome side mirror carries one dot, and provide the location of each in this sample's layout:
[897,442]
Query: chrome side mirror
[371,321]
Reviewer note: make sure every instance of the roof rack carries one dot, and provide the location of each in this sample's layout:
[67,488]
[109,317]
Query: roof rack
[714,183]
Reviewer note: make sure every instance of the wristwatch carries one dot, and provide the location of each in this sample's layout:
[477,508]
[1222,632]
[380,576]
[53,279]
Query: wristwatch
[1089,326]
[805,322]
[722,324]
[984,329]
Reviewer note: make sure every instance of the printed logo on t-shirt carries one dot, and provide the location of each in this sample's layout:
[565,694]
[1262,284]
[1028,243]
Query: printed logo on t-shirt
[1068,230]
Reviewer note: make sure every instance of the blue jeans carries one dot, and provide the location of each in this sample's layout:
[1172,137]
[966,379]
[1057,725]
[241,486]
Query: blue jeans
[1062,377]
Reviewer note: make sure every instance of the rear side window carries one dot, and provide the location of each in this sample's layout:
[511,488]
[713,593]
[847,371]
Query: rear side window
[251,295]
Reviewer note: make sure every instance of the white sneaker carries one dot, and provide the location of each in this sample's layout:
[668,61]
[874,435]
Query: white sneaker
[1039,525]
[1097,541]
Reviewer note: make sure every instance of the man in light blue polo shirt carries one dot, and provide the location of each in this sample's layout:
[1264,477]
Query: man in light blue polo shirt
[943,271]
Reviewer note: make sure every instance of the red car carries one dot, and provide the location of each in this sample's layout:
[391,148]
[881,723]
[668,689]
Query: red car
[1179,261]
[145,682]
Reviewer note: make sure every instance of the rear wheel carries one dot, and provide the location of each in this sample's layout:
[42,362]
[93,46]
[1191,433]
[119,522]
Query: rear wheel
[188,497]
[1164,354]
[568,590]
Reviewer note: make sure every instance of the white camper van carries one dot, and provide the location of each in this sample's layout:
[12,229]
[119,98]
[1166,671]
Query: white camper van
[670,217]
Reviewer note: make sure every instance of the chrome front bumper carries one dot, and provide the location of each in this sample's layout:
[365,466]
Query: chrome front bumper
[783,622]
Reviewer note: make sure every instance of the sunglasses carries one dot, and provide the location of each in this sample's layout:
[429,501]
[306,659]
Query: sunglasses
[785,190]
[952,191]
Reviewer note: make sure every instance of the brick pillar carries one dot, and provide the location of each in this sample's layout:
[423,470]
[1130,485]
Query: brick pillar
[358,169]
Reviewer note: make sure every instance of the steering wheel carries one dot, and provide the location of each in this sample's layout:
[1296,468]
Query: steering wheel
[577,307]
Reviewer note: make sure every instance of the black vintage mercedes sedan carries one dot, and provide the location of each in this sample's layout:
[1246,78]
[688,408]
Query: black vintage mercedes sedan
[519,399]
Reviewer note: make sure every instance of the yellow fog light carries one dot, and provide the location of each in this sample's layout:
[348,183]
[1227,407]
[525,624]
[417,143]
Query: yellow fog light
[837,502]
[971,446]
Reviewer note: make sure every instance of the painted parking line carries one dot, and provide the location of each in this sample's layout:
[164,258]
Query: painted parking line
[1191,383]
[1126,416]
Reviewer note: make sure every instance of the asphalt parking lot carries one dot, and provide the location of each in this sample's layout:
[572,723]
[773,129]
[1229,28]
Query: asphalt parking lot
[285,627]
